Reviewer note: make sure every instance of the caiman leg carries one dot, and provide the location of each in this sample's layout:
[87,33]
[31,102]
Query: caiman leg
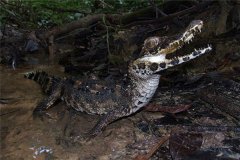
[111,116]
[126,111]
[142,94]
[48,101]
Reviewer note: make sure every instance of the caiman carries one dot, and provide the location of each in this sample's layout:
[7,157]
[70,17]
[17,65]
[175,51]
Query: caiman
[114,101]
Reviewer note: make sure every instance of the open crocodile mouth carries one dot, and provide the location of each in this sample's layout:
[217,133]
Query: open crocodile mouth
[155,50]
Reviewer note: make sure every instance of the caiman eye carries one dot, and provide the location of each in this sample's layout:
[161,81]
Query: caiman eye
[151,42]
[151,45]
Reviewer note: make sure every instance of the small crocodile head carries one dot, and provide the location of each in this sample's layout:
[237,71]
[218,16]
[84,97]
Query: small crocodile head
[153,55]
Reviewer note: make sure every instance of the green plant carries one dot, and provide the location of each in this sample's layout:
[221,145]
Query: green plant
[49,13]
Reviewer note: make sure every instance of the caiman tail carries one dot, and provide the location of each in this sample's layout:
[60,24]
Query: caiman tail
[46,81]
[50,85]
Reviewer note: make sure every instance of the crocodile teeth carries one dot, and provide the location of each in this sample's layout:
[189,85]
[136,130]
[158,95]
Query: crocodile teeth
[199,28]
[209,46]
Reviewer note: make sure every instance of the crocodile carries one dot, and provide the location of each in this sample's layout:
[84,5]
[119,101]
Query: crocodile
[112,100]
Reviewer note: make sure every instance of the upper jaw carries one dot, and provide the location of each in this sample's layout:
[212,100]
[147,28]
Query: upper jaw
[166,45]
[187,36]
[194,28]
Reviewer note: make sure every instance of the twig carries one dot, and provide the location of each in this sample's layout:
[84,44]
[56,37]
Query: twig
[82,23]
[153,150]
[3,114]
[171,16]
[157,9]
[206,129]
[104,22]
[167,109]
[104,3]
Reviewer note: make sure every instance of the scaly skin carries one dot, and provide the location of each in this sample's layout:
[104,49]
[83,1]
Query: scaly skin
[117,101]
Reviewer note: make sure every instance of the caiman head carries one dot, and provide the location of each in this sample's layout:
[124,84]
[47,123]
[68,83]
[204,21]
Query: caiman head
[155,49]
